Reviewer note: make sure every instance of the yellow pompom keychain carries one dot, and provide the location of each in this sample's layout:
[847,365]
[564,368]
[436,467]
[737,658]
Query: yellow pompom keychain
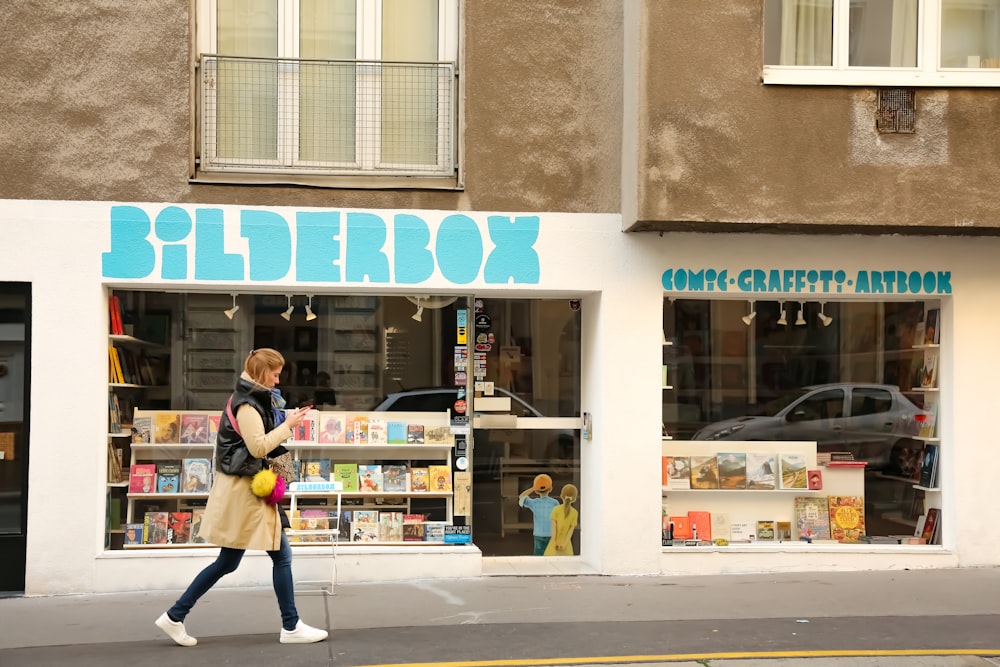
[266,484]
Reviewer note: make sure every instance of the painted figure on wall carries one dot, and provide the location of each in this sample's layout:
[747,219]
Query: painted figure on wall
[564,519]
[541,507]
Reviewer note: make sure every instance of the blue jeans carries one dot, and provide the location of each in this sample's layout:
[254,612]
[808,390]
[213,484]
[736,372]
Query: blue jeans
[228,561]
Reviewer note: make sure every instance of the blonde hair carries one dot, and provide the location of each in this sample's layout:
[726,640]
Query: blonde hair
[262,362]
[568,495]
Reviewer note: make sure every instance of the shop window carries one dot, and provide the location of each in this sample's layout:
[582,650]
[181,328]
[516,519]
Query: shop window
[857,378]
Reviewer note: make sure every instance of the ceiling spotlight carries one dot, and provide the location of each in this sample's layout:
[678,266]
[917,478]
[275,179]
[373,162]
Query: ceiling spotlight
[823,317]
[418,316]
[310,315]
[287,315]
[801,319]
[748,318]
[232,311]
[781,320]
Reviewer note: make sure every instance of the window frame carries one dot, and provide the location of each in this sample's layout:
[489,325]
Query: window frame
[926,73]
[367,163]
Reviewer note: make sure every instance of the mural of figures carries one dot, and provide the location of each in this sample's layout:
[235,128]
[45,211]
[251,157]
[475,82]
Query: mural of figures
[541,506]
[564,520]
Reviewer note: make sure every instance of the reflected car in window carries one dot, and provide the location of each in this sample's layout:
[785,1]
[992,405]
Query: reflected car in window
[864,419]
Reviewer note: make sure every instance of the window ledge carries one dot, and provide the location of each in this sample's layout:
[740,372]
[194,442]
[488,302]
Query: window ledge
[825,76]
[359,182]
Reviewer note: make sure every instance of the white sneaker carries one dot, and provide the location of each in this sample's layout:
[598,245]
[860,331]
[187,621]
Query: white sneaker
[302,634]
[175,630]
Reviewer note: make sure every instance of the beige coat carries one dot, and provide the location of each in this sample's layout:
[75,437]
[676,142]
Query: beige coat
[234,516]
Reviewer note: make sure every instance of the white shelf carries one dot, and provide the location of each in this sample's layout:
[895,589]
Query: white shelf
[926,346]
[138,496]
[200,446]
[132,340]
[667,386]
[931,489]
[926,389]
[376,494]
[120,434]
[118,485]
[926,438]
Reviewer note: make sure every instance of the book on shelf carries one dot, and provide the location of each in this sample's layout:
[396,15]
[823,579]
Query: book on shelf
[704,472]
[783,531]
[812,517]
[678,469]
[396,433]
[732,470]
[792,467]
[194,429]
[931,528]
[681,527]
[133,534]
[168,477]
[344,525]
[142,478]
[316,470]
[761,469]
[307,429]
[390,526]
[701,524]
[932,333]
[142,430]
[333,428]
[413,531]
[742,531]
[114,414]
[115,315]
[369,478]
[167,427]
[929,465]
[213,427]
[847,518]
[197,514]
[378,431]
[928,420]
[364,532]
[438,435]
[440,478]
[815,480]
[721,529]
[415,434]
[196,475]
[180,527]
[766,530]
[156,528]
[357,430]
[841,456]
[394,478]
[928,372]
[347,475]
[434,531]
[419,479]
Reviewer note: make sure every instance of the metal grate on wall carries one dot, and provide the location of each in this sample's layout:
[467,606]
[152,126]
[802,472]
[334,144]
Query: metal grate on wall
[284,115]
[895,112]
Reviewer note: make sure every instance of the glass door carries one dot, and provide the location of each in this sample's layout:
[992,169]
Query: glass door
[14,371]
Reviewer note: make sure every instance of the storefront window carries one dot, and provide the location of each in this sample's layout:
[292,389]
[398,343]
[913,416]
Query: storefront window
[857,378]
[381,358]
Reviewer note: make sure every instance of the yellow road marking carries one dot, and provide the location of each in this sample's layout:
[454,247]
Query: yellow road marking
[678,657]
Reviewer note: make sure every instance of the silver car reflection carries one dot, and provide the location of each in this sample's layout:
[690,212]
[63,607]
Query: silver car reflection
[864,419]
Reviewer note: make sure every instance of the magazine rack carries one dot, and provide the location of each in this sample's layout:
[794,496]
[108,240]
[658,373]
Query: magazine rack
[332,531]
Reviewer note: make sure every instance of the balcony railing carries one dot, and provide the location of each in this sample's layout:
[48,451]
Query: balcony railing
[336,117]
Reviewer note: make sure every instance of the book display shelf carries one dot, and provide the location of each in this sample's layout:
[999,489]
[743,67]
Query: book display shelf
[757,494]
[927,465]
[362,477]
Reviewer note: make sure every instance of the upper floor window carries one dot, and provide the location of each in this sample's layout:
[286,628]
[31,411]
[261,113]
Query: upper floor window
[882,42]
[328,87]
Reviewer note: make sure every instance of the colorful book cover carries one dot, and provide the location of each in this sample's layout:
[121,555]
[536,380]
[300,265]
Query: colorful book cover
[332,428]
[681,527]
[812,518]
[847,518]
[196,475]
[378,431]
[133,533]
[344,525]
[194,429]
[347,475]
[396,433]
[434,531]
[793,471]
[390,526]
[168,427]
[438,435]
[156,528]
[369,478]
[732,470]
[931,334]
[415,434]
[180,527]
[766,531]
[364,532]
[761,469]
[307,429]
[928,427]
[142,430]
[213,427]
[413,532]
[440,478]
[929,466]
[419,479]
[815,478]
[316,470]
[357,430]
[314,519]
[366,516]
[142,478]
[678,472]
[931,528]
[394,478]
[704,472]
[701,525]
[168,477]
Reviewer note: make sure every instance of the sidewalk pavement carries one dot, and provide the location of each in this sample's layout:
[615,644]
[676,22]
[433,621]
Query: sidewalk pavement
[944,618]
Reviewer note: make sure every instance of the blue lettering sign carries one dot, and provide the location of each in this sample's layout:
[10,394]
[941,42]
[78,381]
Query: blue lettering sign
[806,281]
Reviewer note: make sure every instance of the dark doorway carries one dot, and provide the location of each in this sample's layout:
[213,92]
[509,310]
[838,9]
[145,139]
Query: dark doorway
[15,300]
